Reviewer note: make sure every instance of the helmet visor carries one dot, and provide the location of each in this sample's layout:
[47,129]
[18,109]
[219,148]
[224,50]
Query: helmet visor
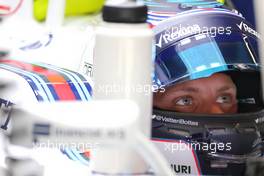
[201,55]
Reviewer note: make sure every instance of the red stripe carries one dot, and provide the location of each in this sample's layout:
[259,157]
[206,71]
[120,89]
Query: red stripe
[58,82]
[151,25]
[207,8]
[167,13]
[2,7]
[87,154]
[61,87]
[18,64]
[15,9]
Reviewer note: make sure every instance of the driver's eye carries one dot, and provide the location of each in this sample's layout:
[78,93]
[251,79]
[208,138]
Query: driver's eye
[184,101]
[224,99]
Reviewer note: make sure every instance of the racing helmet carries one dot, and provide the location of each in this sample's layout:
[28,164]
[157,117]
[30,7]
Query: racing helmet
[196,44]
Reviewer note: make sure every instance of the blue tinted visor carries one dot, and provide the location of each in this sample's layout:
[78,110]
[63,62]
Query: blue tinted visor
[202,55]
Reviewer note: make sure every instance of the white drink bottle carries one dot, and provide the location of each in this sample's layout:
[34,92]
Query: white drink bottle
[122,70]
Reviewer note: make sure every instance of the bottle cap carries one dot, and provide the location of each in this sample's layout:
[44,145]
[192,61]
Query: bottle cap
[126,12]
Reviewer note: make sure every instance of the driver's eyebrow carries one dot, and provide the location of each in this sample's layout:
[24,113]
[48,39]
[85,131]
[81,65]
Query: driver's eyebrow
[225,88]
[189,89]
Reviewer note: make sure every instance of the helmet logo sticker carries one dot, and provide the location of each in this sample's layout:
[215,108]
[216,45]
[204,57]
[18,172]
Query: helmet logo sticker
[174,33]
[176,121]
[244,27]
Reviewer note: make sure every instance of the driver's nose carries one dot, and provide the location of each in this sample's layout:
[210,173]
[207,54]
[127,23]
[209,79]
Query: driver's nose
[215,109]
